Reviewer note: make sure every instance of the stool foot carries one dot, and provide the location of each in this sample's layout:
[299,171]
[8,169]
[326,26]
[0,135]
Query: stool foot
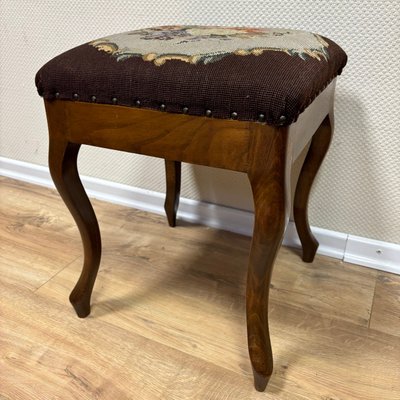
[173,180]
[62,164]
[318,148]
[80,303]
[260,381]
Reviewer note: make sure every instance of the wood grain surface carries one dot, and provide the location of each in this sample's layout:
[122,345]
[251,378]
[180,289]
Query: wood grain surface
[168,314]
[205,141]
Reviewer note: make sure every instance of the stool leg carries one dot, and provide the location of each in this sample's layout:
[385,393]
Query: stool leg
[271,216]
[63,169]
[319,146]
[173,179]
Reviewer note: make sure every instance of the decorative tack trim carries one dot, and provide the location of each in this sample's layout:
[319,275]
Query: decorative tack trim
[281,121]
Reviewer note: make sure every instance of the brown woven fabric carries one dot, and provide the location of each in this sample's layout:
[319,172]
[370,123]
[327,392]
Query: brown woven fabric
[276,84]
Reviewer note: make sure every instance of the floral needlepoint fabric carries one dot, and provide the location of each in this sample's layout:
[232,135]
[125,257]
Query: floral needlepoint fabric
[210,71]
[194,44]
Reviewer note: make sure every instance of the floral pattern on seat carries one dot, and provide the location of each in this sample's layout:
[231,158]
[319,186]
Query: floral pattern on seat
[207,44]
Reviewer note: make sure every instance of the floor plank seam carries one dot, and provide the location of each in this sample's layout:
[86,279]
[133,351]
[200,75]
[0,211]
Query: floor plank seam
[373,301]
[58,272]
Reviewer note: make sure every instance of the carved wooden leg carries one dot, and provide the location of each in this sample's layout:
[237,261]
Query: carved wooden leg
[267,179]
[63,169]
[173,175]
[316,153]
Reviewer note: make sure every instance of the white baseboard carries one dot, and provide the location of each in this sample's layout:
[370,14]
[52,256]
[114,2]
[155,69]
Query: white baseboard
[357,250]
[373,253]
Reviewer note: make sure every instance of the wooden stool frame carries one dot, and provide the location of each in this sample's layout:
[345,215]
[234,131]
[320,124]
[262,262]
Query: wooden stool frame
[265,153]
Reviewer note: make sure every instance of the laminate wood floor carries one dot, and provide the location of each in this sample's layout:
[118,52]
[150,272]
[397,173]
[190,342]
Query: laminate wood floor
[168,314]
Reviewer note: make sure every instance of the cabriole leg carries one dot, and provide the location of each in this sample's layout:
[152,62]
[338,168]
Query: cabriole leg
[173,179]
[318,148]
[267,179]
[63,169]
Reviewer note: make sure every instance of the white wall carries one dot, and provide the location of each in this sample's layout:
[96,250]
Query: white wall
[358,190]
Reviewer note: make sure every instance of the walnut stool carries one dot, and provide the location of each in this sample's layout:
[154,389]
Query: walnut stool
[244,99]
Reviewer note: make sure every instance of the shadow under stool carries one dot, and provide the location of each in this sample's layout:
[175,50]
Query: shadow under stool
[243,99]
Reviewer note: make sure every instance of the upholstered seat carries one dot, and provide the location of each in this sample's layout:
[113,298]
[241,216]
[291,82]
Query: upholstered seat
[246,99]
[270,75]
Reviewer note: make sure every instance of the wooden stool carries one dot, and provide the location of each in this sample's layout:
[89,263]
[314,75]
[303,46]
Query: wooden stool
[244,99]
